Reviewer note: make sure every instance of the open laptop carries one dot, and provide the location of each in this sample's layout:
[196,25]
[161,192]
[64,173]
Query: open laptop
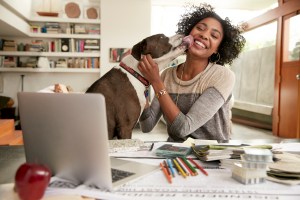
[68,133]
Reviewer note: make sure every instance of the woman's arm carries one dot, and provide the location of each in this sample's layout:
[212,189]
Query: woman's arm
[150,70]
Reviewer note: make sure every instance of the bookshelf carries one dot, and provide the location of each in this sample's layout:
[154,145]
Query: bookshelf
[65,42]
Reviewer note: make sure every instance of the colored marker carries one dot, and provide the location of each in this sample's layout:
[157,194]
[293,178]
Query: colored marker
[198,166]
[167,168]
[189,166]
[169,178]
[182,166]
[179,168]
[171,167]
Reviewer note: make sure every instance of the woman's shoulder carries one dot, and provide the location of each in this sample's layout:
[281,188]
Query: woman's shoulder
[223,71]
[168,71]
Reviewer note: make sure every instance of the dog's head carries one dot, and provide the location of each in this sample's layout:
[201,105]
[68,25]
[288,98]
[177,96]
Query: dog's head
[156,45]
[162,48]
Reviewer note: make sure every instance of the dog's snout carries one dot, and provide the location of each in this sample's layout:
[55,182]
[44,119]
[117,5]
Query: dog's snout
[176,40]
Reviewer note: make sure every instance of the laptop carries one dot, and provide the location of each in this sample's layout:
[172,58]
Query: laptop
[68,133]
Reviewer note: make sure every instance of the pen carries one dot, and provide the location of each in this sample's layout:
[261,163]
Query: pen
[171,167]
[198,166]
[191,169]
[169,178]
[179,168]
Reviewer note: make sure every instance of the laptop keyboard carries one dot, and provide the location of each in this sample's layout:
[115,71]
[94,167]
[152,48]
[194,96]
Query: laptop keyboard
[119,174]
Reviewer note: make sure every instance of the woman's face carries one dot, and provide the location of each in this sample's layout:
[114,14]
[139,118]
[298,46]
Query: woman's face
[208,34]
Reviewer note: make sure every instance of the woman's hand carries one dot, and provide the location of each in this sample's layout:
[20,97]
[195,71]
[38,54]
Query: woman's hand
[149,69]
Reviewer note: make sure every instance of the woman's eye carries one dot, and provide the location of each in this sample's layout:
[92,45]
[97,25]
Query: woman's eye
[202,28]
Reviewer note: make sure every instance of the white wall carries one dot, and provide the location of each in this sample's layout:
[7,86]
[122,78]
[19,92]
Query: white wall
[22,7]
[123,24]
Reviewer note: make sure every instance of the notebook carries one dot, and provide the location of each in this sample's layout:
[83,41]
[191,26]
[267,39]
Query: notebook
[68,133]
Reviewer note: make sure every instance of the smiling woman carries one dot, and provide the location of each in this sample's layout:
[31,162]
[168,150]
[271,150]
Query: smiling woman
[197,94]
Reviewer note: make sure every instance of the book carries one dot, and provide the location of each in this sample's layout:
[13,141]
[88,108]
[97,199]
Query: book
[219,152]
[170,150]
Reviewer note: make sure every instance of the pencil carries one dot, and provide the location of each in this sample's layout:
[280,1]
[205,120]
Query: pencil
[179,168]
[169,178]
[151,147]
[185,166]
[194,172]
[198,166]
[167,167]
[182,166]
[171,167]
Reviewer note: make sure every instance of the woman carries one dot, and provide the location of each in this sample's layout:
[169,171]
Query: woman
[195,97]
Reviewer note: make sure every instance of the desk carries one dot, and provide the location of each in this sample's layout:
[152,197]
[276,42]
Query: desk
[218,185]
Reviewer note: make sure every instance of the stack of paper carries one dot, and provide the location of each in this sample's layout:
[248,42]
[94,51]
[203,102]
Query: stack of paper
[125,145]
[253,166]
[216,152]
[222,151]
[286,169]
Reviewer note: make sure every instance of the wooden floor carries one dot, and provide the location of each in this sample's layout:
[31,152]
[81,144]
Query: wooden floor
[8,134]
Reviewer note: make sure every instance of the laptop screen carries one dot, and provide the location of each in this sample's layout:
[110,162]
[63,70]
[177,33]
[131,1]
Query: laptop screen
[68,133]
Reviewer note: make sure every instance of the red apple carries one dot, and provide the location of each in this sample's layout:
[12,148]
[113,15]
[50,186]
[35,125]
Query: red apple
[31,181]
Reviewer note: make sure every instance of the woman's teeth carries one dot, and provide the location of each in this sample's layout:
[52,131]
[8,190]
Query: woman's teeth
[200,44]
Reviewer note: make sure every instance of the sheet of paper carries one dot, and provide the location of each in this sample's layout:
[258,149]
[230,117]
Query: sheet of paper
[287,147]
[217,185]
[60,186]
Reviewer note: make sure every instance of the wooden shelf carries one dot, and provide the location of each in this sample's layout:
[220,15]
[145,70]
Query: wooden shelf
[65,20]
[58,70]
[62,35]
[50,54]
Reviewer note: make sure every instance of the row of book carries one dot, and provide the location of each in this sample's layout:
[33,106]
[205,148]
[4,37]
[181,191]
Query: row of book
[58,45]
[77,63]
[8,45]
[72,45]
[32,62]
[55,28]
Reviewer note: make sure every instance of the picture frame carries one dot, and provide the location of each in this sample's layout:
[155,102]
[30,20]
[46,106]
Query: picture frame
[116,54]
[91,12]
[72,10]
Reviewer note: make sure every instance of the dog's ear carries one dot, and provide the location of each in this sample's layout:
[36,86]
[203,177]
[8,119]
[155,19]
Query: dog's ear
[137,50]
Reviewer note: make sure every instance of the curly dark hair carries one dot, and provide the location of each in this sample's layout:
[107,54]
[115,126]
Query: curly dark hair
[232,43]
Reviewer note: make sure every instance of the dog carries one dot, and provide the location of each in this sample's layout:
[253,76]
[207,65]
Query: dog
[124,87]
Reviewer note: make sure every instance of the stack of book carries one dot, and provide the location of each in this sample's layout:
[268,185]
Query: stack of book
[9,61]
[36,46]
[9,45]
[91,45]
[253,166]
[79,29]
[52,27]
[171,151]
[93,30]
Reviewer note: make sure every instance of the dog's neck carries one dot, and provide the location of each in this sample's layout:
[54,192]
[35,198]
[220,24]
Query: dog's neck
[130,64]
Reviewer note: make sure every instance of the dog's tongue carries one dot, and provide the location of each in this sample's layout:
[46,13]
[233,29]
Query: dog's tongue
[188,41]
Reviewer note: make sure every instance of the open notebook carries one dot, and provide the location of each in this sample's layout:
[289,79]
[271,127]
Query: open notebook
[68,133]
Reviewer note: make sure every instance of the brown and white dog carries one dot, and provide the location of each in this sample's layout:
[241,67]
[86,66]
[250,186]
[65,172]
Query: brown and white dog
[124,87]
